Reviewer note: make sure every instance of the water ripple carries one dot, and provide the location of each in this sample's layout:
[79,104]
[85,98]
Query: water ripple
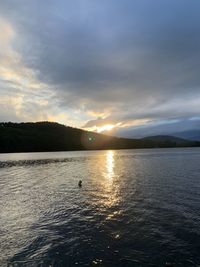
[134,208]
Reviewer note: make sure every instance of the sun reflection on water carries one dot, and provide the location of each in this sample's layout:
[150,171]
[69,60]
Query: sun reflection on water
[110,187]
[110,165]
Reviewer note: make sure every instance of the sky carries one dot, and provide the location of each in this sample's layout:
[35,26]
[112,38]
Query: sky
[125,67]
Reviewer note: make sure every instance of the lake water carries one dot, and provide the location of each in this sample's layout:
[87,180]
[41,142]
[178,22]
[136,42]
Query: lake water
[135,208]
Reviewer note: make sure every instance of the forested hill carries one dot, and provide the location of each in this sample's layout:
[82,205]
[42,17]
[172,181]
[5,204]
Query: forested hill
[49,136]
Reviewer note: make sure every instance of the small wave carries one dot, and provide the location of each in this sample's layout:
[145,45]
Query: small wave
[13,163]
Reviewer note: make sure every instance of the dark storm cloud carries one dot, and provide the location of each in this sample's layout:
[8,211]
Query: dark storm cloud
[137,59]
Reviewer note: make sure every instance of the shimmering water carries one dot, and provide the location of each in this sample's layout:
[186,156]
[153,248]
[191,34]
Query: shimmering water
[135,208]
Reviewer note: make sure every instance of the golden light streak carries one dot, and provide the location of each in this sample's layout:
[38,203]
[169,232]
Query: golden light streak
[110,165]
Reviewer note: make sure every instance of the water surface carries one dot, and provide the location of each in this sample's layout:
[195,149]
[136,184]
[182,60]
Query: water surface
[135,208]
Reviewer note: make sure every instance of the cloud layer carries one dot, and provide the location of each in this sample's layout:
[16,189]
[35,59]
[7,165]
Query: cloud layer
[90,63]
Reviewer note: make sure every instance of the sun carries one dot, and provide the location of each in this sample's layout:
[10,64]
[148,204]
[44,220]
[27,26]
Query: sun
[105,128]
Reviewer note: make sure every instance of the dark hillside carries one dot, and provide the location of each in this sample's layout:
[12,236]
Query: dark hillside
[49,136]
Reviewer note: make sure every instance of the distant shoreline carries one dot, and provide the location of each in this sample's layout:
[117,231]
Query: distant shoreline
[93,150]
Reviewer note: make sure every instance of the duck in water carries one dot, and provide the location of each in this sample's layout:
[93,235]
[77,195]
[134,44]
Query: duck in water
[80,183]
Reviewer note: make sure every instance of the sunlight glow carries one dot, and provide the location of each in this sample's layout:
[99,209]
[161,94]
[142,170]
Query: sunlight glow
[107,127]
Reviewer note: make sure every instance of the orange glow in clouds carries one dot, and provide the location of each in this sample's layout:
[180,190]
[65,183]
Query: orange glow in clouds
[105,128]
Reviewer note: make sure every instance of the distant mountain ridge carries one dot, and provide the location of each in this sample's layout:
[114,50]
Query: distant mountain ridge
[50,136]
[189,134]
[165,138]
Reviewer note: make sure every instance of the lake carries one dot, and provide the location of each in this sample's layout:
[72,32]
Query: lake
[135,208]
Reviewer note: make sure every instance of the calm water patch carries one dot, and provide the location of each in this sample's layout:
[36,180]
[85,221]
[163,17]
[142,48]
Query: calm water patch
[135,208]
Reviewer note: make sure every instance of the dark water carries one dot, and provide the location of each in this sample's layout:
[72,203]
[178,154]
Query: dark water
[135,208]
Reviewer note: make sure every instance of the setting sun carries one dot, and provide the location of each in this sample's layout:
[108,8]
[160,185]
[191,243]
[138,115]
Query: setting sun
[107,127]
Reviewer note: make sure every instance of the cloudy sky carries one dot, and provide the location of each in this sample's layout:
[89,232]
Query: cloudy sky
[126,66]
